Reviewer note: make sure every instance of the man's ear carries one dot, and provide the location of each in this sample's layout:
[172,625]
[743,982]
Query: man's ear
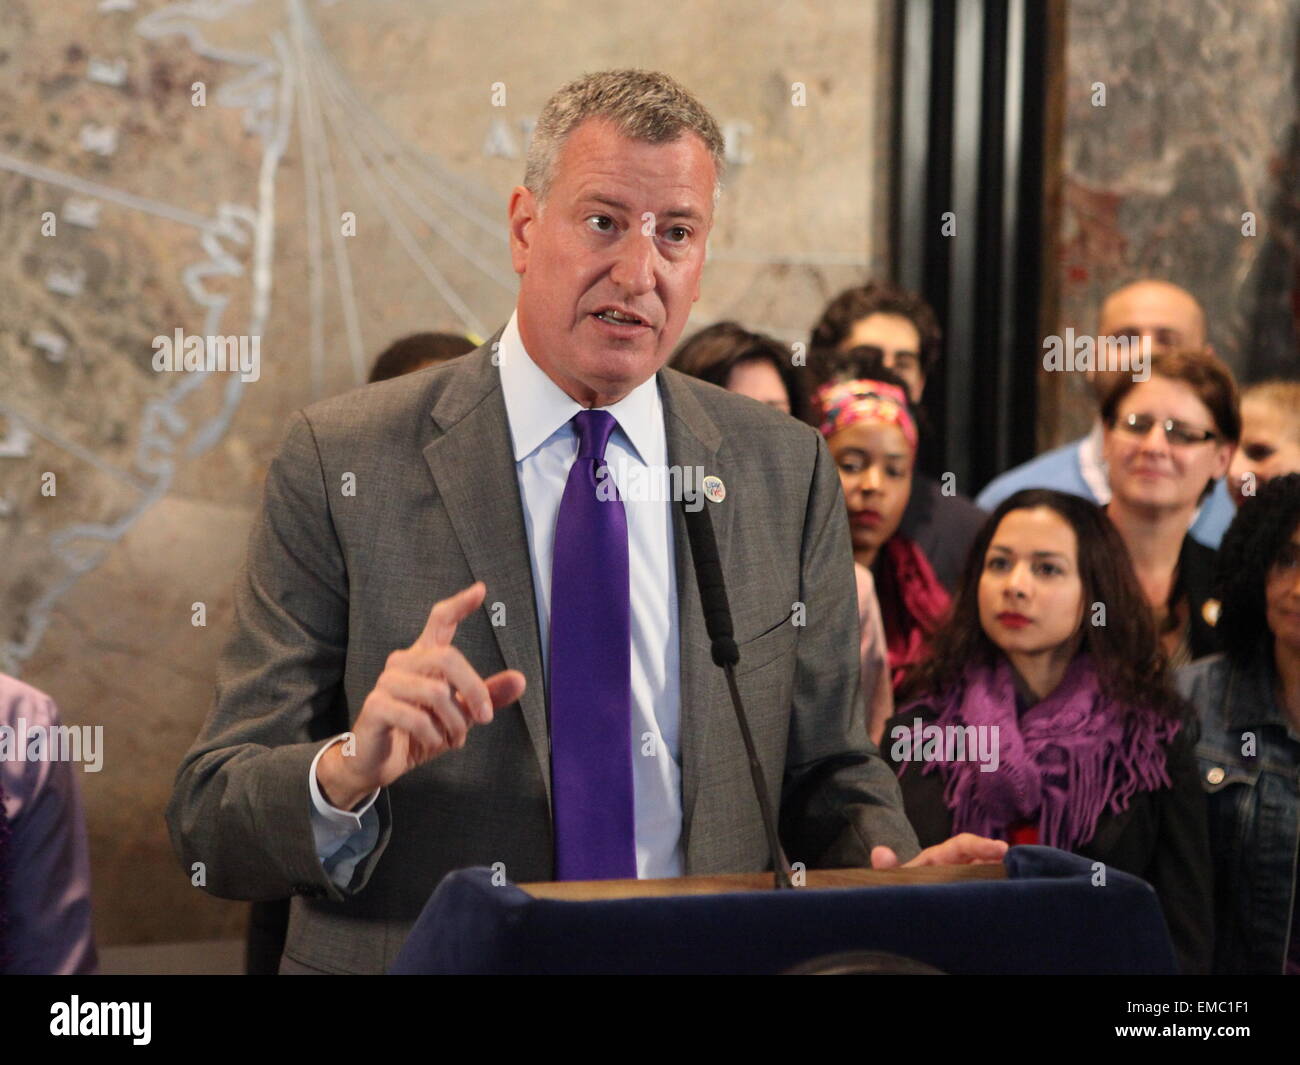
[523,213]
[1224,459]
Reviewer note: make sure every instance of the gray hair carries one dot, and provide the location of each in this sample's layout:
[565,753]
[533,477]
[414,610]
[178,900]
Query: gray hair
[645,105]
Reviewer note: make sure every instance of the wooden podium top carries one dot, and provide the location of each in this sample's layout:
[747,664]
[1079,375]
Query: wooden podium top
[725,883]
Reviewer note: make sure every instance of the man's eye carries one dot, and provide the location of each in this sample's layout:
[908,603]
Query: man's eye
[598,218]
[1258,452]
[684,234]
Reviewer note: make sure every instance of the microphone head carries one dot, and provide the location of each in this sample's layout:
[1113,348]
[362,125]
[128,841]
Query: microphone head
[713,589]
[725,652]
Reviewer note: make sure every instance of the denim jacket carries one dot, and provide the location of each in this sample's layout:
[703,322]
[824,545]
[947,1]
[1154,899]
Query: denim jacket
[1254,807]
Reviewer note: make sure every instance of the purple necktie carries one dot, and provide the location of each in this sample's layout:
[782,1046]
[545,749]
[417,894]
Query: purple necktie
[591,670]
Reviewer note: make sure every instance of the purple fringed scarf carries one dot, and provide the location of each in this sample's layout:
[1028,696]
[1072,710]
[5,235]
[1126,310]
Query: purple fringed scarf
[4,884]
[1061,763]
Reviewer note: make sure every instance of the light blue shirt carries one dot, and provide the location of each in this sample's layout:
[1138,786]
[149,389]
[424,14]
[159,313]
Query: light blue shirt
[545,444]
[1077,469]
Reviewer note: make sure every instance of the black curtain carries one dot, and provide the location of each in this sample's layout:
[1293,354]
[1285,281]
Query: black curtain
[968,222]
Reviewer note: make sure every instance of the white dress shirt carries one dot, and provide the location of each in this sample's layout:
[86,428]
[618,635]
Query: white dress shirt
[545,444]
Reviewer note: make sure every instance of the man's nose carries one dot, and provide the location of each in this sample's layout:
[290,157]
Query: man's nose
[634,266]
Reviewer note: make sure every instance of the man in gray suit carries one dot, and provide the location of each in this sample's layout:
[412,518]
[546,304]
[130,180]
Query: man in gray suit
[363,745]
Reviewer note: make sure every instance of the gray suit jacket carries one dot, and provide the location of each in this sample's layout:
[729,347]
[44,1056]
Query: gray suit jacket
[334,583]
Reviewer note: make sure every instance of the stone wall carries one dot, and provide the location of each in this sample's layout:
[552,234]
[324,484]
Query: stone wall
[1197,142]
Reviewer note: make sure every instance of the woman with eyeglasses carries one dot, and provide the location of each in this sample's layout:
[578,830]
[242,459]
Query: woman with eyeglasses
[1249,754]
[1166,441]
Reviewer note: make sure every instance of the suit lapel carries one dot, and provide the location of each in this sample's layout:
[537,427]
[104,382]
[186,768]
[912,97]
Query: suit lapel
[472,463]
[693,442]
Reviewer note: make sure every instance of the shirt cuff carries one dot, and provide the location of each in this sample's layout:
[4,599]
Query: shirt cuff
[332,827]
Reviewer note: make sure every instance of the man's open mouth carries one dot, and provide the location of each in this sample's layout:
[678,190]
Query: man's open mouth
[617,317]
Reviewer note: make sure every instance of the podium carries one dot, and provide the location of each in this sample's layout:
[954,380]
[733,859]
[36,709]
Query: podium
[1042,911]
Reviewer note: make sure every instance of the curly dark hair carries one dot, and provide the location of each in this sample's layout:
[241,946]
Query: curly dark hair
[879,297]
[713,352]
[856,364]
[1125,651]
[1254,541]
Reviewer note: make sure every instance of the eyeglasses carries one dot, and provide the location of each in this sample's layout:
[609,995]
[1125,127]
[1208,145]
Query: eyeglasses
[1179,434]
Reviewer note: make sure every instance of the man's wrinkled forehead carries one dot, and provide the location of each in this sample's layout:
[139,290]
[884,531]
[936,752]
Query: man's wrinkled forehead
[1154,307]
[601,164]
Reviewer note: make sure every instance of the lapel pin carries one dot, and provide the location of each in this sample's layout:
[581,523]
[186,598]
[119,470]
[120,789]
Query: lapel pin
[714,490]
[1210,611]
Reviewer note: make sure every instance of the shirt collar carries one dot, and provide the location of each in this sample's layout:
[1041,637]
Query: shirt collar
[536,406]
[1092,465]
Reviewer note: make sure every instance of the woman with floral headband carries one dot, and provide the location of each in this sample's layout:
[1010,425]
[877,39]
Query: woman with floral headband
[872,436]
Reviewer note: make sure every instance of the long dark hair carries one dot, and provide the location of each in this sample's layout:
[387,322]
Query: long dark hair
[1253,542]
[1124,650]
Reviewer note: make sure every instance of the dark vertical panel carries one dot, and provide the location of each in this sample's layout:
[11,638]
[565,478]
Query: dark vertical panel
[987,350]
[966,268]
[935,247]
[987,96]
[1013,348]
[911,141]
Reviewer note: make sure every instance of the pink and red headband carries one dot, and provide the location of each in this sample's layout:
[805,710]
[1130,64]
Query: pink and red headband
[844,402]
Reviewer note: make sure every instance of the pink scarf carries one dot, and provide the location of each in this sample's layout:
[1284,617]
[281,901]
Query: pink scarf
[913,603]
[1062,763]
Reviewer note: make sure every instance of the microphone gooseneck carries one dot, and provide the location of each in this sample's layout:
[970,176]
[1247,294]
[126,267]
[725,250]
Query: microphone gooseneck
[717,622]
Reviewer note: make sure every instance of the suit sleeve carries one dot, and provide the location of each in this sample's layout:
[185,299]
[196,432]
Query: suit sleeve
[240,812]
[1180,869]
[839,798]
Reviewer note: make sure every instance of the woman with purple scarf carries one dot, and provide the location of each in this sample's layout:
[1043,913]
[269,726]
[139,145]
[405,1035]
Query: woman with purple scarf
[1055,720]
[45,918]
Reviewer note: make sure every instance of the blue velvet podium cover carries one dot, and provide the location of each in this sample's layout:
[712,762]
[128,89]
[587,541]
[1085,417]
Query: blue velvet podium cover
[1046,917]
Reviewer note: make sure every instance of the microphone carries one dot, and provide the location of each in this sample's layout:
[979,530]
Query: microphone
[717,621]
